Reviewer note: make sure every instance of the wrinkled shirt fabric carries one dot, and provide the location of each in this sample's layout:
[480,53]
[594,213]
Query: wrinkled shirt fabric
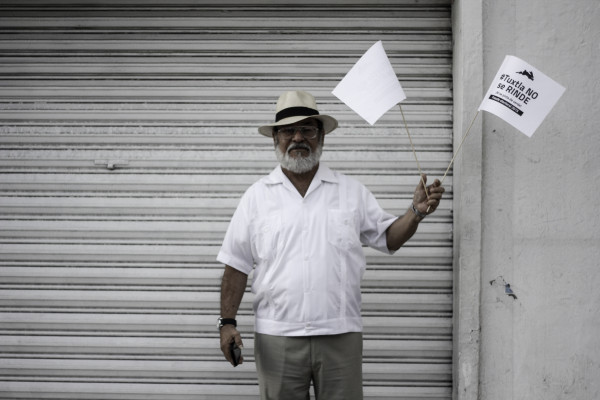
[306,252]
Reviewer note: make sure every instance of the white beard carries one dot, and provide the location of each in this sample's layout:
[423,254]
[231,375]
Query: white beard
[299,165]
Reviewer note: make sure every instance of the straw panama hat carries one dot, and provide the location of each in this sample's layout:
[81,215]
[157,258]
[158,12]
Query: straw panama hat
[295,106]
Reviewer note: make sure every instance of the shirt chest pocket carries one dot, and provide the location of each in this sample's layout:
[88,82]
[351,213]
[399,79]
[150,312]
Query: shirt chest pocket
[265,236]
[341,229]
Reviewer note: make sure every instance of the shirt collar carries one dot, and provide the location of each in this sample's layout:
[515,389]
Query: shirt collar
[324,174]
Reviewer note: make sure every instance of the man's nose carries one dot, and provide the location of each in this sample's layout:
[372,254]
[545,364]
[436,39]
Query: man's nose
[298,137]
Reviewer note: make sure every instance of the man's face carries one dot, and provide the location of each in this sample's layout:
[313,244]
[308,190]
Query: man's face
[296,148]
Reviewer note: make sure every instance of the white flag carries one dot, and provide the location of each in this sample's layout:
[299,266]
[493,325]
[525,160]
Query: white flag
[371,87]
[521,95]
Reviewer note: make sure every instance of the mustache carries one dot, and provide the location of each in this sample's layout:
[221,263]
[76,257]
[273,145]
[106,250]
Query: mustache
[295,146]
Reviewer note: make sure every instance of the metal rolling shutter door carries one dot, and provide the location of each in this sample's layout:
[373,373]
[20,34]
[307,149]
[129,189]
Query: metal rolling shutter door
[129,133]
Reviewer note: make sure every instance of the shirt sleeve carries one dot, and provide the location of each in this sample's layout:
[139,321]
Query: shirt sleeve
[375,222]
[236,250]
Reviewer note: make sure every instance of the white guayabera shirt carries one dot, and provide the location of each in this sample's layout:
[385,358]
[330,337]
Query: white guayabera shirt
[306,252]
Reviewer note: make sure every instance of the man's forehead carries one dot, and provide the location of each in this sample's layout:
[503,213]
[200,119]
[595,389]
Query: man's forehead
[304,122]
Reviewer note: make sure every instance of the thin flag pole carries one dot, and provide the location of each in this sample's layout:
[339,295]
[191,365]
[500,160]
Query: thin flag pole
[459,146]
[458,150]
[413,150]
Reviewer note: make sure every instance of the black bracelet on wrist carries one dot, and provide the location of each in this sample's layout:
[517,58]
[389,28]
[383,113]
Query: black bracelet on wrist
[417,212]
[226,321]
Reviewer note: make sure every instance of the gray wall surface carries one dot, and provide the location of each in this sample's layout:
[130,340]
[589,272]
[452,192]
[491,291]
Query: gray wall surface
[536,210]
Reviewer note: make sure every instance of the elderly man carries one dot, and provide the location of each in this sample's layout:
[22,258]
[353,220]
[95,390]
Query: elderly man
[301,229]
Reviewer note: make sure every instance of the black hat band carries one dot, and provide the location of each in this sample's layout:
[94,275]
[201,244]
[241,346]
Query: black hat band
[294,112]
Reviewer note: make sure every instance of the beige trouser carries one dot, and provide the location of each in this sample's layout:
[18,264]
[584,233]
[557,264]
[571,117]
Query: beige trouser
[287,365]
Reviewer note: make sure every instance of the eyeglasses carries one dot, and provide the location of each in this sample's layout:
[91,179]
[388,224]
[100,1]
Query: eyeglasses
[307,132]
